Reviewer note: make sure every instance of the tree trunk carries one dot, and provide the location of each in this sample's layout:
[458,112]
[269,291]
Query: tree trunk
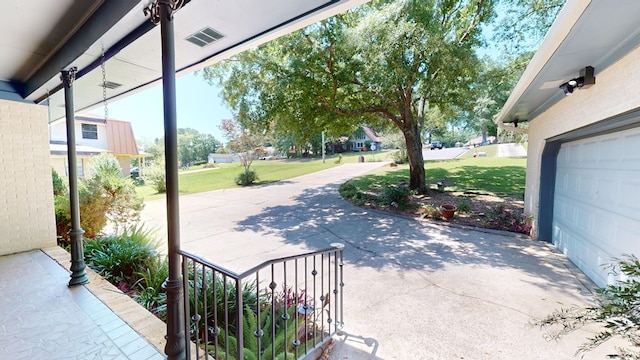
[484,132]
[416,161]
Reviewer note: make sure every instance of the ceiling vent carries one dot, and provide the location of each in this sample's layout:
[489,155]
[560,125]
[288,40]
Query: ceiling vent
[205,37]
[110,85]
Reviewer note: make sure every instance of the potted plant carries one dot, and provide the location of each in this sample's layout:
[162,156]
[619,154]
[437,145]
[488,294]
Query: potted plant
[447,211]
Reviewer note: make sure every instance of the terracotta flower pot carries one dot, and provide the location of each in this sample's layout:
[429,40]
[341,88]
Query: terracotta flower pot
[447,211]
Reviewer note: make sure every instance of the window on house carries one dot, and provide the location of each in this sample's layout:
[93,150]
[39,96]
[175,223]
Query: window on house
[90,131]
[80,167]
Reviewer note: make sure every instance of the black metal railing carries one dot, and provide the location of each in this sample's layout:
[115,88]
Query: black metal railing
[284,308]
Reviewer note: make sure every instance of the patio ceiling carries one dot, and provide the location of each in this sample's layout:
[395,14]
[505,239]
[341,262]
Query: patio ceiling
[40,38]
[585,33]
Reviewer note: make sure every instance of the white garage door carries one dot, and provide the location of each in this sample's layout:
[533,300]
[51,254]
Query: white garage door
[597,201]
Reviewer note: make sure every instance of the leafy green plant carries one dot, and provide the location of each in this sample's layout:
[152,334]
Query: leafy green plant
[157,177]
[105,196]
[348,190]
[399,156]
[119,258]
[246,177]
[464,206]
[279,314]
[149,291]
[216,289]
[59,186]
[617,310]
[503,219]
[397,196]
[431,211]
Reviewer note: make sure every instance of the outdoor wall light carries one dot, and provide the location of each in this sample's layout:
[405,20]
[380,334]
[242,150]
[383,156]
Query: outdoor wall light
[586,78]
[567,88]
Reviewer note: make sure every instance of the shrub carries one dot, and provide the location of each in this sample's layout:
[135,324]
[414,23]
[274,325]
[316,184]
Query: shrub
[119,258]
[246,177]
[432,211]
[103,196]
[348,190]
[503,219]
[59,186]
[204,282]
[157,177]
[616,310]
[150,293]
[400,156]
[464,206]
[397,196]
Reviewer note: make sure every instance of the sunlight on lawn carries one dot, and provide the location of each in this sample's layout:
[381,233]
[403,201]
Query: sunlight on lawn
[197,180]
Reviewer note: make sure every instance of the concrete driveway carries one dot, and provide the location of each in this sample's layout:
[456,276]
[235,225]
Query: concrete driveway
[443,154]
[413,290]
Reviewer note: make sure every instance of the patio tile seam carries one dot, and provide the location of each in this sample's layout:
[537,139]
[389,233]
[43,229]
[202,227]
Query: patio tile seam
[105,292]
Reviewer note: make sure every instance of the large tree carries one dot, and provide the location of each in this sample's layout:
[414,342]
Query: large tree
[194,146]
[385,64]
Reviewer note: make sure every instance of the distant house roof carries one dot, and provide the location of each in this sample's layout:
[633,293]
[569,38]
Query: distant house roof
[371,133]
[120,139]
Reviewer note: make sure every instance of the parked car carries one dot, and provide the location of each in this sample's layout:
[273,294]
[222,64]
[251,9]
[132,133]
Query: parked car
[436,145]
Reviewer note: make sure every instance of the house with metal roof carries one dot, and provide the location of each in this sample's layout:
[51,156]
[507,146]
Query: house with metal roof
[94,136]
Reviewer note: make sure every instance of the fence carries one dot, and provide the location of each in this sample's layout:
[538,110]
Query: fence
[285,308]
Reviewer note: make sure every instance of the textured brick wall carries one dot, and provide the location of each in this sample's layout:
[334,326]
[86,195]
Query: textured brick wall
[27,219]
[616,91]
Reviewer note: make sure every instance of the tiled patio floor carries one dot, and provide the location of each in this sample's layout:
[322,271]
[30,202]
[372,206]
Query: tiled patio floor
[42,318]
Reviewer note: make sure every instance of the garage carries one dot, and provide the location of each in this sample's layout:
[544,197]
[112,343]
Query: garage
[596,202]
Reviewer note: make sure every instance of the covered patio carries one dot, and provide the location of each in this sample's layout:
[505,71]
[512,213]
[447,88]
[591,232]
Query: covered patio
[58,58]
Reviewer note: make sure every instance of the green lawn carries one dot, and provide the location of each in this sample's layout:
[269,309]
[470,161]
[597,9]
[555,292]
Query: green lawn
[504,177]
[223,177]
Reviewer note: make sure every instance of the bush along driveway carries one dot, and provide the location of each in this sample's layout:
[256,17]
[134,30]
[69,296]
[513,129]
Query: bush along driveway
[486,193]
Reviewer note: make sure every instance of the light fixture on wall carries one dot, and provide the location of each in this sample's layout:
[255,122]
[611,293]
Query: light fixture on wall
[585,79]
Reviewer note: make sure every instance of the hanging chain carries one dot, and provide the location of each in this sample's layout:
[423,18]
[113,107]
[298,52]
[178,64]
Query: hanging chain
[48,107]
[104,86]
[153,10]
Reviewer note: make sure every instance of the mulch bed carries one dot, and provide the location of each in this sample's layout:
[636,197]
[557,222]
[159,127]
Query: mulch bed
[485,210]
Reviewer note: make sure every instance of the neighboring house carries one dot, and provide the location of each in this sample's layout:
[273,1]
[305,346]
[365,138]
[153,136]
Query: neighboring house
[94,135]
[363,136]
[339,146]
[583,165]
[478,141]
[223,158]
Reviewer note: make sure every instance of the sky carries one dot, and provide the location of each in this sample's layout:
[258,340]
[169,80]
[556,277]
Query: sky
[199,106]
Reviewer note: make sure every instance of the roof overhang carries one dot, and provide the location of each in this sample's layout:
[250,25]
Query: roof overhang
[38,39]
[585,33]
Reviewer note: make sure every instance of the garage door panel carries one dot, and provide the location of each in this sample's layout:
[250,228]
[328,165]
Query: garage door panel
[587,256]
[629,206]
[631,142]
[588,153]
[597,201]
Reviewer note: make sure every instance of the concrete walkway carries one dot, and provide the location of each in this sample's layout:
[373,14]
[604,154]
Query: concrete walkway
[413,290]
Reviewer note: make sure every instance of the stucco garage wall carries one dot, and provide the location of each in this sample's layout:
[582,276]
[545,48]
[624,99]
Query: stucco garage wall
[616,91]
[27,219]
